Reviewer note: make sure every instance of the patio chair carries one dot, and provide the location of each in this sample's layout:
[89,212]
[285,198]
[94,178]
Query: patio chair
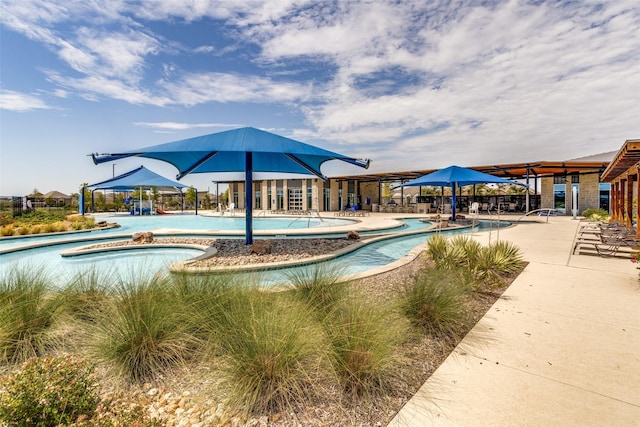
[474,209]
[231,209]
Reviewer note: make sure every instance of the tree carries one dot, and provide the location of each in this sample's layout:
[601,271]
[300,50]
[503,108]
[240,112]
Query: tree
[35,193]
[100,202]
[386,191]
[190,196]
[224,198]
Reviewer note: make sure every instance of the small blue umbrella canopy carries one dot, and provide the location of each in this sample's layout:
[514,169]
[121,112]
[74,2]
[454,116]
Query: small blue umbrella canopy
[456,176]
[245,149]
[136,178]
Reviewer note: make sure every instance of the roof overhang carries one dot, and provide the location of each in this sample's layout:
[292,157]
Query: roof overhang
[507,171]
[625,161]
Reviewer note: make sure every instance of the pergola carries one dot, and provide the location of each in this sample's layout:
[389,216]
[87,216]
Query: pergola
[523,171]
[622,173]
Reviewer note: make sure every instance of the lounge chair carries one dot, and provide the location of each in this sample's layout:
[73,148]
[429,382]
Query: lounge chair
[606,244]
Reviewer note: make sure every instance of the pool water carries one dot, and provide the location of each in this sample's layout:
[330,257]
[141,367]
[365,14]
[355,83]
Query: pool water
[153,260]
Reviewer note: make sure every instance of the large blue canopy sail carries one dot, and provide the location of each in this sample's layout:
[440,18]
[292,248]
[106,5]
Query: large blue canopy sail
[225,152]
[240,150]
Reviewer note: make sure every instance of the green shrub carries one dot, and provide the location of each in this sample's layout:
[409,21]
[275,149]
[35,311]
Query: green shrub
[437,248]
[462,250]
[596,215]
[496,261]
[318,286]
[140,332]
[28,314]
[87,294]
[435,302]
[41,216]
[49,391]
[363,340]
[271,350]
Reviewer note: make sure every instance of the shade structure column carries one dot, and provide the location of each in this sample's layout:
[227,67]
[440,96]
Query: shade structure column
[453,201]
[629,206]
[248,185]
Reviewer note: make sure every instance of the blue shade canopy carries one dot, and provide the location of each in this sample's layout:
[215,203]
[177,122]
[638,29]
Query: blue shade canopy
[245,149]
[456,176]
[134,179]
[225,152]
[460,176]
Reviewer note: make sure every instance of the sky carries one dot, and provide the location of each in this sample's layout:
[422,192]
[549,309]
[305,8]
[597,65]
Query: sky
[410,85]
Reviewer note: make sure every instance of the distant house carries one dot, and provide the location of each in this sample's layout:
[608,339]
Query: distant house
[55,199]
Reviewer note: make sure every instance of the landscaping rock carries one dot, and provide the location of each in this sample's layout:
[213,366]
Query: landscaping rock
[261,247]
[353,235]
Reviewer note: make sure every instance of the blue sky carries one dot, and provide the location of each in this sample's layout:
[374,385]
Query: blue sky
[408,84]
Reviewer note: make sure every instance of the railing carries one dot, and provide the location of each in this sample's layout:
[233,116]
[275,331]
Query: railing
[309,214]
[541,212]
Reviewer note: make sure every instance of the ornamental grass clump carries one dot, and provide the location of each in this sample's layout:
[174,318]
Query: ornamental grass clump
[318,286]
[271,352]
[87,294]
[363,342]
[203,301]
[29,313]
[140,332]
[49,391]
[435,302]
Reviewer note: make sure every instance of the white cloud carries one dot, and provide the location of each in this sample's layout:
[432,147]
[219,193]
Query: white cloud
[195,89]
[20,102]
[408,80]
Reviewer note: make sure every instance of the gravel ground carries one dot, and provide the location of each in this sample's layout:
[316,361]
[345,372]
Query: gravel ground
[233,252]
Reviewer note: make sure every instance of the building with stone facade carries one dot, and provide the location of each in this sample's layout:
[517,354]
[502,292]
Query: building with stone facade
[560,185]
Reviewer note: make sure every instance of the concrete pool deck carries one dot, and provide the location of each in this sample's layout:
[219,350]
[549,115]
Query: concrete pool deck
[561,347]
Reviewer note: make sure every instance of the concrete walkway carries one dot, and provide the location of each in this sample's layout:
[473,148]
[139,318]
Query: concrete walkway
[560,348]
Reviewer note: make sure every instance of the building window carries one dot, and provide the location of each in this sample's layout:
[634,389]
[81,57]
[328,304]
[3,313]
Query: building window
[575,179]
[559,197]
[605,196]
[559,179]
[326,206]
[258,200]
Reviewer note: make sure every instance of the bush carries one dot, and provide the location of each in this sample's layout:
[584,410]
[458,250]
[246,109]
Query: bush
[596,215]
[28,314]
[271,349]
[7,230]
[318,286]
[435,302]
[140,332]
[496,261]
[437,248]
[363,341]
[50,391]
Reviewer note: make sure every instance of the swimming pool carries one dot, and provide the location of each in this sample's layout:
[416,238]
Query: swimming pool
[153,260]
